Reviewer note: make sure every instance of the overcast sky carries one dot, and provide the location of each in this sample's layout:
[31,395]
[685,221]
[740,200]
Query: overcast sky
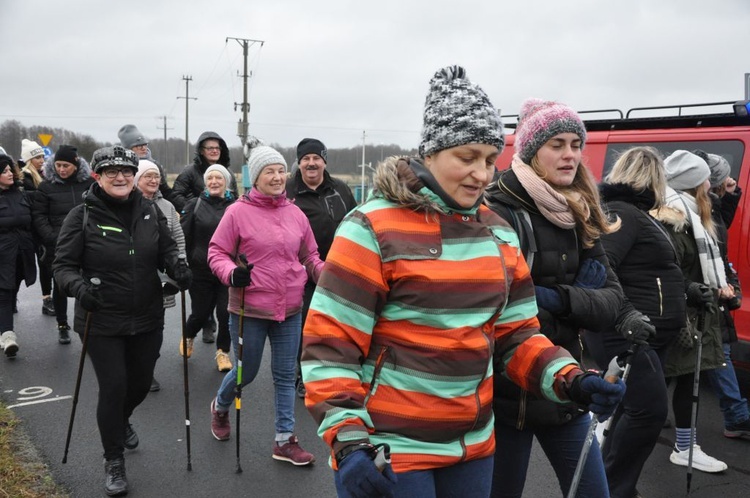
[331,69]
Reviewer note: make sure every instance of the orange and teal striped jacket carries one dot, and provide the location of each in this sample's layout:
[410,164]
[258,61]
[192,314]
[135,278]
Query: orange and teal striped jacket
[411,303]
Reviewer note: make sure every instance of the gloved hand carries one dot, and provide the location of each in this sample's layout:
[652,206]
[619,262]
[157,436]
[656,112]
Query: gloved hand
[699,295]
[89,298]
[591,275]
[549,299]
[240,276]
[601,397]
[636,327]
[182,275]
[361,479]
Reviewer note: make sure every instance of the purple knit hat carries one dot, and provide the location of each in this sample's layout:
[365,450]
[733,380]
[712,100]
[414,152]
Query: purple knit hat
[540,120]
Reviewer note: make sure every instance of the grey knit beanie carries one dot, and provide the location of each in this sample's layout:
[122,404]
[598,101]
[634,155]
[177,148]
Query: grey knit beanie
[720,169]
[540,120]
[130,136]
[221,169]
[259,156]
[458,112]
[685,170]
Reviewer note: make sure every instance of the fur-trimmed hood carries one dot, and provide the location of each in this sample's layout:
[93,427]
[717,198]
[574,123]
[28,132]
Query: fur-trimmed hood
[49,172]
[673,217]
[405,181]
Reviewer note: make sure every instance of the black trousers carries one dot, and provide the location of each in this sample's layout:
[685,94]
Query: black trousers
[7,300]
[45,277]
[60,300]
[207,293]
[641,415]
[124,366]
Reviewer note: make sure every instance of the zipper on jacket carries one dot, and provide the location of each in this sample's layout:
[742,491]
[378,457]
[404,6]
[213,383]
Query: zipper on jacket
[520,422]
[661,298]
[379,362]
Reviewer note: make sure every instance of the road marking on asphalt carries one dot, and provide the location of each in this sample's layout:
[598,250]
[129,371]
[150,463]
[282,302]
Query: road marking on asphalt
[57,398]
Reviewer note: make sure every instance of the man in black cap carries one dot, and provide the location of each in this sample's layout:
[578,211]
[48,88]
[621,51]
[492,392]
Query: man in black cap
[324,200]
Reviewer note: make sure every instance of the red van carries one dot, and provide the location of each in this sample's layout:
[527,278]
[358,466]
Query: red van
[726,133]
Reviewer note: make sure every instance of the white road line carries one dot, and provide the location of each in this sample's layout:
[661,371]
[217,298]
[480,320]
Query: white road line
[58,398]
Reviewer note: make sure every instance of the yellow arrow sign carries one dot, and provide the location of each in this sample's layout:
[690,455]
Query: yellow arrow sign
[44,138]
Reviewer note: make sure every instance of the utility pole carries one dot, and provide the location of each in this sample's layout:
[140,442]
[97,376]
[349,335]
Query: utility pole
[187,98]
[362,192]
[165,155]
[242,126]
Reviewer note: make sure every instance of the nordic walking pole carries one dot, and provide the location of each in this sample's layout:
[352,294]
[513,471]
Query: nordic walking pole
[696,384]
[186,382]
[95,283]
[614,370]
[629,355]
[238,389]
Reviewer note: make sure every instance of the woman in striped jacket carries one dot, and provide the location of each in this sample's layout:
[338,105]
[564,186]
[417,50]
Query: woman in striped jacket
[421,285]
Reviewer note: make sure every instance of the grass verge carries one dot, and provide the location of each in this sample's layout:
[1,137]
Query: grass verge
[22,472]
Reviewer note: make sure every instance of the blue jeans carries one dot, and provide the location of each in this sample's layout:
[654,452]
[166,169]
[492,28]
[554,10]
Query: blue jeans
[724,383]
[562,445]
[284,338]
[463,480]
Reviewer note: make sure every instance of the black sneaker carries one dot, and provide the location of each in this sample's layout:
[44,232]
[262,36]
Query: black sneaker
[155,386]
[738,430]
[116,483]
[63,330]
[131,438]
[48,307]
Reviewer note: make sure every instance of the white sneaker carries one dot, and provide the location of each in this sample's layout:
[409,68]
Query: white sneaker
[9,344]
[701,461]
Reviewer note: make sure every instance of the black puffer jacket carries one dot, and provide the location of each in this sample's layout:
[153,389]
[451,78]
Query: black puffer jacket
[126,259]
[556,261]
[199,225]
[721,210]
[55,198]
[325,206]
[643,255]
[17,262]
[189,183]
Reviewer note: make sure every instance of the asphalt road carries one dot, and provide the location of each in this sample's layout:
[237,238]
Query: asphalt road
[38,386]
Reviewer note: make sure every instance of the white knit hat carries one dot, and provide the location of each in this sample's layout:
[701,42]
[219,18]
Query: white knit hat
[221,169]
[30,149]
[259,156]
[143,166]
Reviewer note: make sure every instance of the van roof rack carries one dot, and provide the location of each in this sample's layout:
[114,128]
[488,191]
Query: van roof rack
[679,120]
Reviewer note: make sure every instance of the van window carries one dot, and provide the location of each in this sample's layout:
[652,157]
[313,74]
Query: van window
[731,150]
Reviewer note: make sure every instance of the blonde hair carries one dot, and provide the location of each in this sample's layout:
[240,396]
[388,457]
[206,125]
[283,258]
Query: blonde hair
[591,223]
[703,201]
[35,176]
[642,168]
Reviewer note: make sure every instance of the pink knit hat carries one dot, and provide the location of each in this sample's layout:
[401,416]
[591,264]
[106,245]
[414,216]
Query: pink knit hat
[540,120]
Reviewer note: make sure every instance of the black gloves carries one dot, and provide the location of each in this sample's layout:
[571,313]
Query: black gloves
[182,275]
[362,479]
[240,276]
[549,299]
[89,298]
[601,397]
[636,327]
[591,275]
[699,295]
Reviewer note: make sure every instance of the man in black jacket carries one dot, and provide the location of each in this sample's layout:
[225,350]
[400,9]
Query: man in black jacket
[324,200]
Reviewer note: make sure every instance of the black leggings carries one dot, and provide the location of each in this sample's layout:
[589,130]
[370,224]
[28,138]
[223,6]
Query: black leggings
[207,293]
[124,367]
[7,300]
[682,400]
[45,277]
[60,300]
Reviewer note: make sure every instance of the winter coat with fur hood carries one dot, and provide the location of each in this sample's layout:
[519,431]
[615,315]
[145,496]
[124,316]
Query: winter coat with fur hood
[680,359]
[414,298]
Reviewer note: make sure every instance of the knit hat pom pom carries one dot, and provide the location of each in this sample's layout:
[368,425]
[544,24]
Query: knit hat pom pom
[251,143]
[448,74]
[528,106]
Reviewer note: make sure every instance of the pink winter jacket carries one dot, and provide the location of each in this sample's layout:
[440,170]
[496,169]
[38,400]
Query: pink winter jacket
[276,238]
